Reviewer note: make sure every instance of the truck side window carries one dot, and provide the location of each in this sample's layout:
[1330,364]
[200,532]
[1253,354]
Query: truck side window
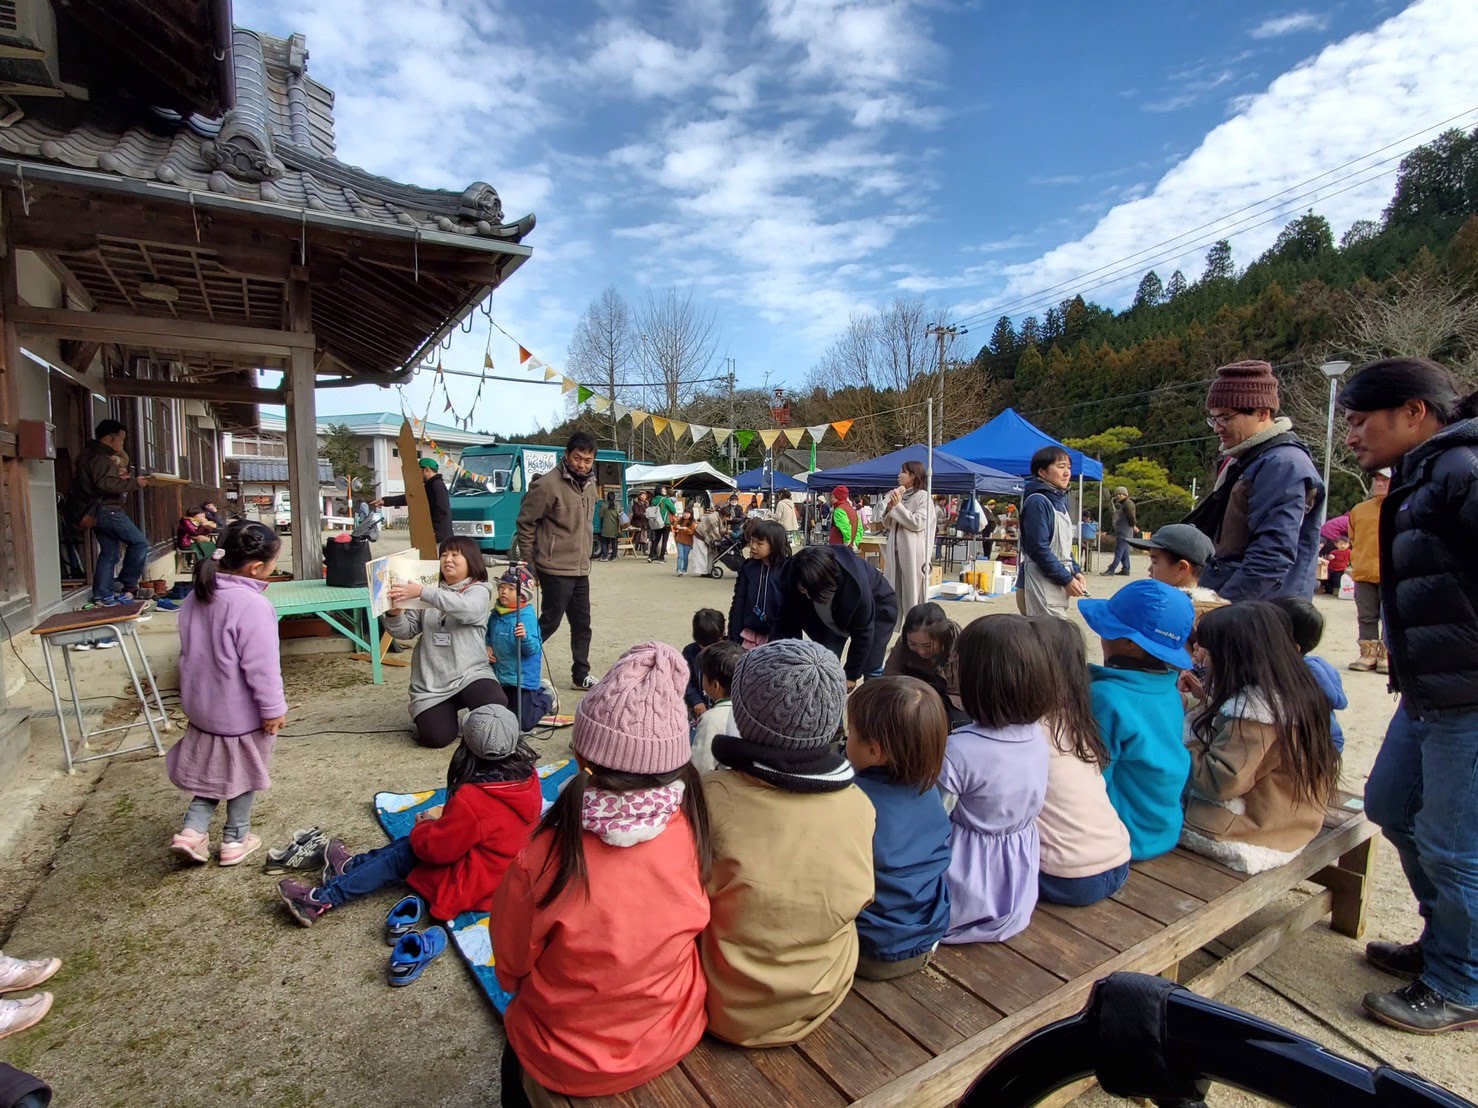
[516,477]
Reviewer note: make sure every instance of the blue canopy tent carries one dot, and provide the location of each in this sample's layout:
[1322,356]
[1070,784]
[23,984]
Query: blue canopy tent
[1008,442]
[760,480]
[951,474]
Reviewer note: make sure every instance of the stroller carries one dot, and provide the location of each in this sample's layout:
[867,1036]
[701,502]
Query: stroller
[728,551]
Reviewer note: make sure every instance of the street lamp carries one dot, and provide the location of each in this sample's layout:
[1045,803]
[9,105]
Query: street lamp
[1334,371]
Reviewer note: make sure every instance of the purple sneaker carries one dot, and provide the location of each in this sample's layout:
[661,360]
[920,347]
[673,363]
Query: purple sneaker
[336,858]
[304,906]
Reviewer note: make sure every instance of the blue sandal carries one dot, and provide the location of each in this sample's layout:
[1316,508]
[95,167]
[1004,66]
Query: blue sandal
[414,951]
[404,917]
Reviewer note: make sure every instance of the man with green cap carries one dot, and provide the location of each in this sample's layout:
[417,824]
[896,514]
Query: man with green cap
[436,496]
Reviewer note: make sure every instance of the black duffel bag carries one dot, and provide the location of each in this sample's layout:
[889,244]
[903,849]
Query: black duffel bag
[345,562]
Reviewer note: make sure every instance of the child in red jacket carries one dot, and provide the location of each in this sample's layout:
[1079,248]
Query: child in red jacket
[596,925]
[456,855]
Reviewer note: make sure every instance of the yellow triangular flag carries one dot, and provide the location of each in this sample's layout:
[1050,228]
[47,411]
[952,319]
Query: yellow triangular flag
[570,385]
[679,428]
[818,432]
[600,403]
[487,361]
[638,417]
[550,374]
[697,430]
[841,427]
[769,435]
[659,424]
[721,435]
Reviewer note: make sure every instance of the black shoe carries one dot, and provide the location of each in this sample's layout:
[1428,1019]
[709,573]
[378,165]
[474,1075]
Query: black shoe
[1416,1007]
[1401,959]
[1123,573]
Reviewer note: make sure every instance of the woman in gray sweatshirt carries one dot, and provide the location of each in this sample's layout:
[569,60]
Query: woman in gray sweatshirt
[449,669]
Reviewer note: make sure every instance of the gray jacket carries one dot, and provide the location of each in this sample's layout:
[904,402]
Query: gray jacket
[439,672]
[1126,519]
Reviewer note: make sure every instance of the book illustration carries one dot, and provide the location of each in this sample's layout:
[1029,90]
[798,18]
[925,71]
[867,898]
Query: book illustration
[401,568]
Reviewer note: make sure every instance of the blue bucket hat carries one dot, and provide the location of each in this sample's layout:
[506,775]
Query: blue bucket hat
[1149,614]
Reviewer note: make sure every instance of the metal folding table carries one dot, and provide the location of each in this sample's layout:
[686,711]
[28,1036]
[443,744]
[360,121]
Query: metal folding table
[121,621]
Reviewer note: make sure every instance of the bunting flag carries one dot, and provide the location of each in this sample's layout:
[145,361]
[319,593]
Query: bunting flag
[550,373]
[569,385]
[638,417]
[679,429]
[817,433]
[620,411]
[842,426]
[743,438]
[600,403]
[658,425]
[439,372]
[523,355]
[697,430]
[721,435]
[487,361]
[769,435]
[582,394]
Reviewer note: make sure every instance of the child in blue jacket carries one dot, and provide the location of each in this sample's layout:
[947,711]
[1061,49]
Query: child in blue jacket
[1308,630]
[1140,714]
[516,649]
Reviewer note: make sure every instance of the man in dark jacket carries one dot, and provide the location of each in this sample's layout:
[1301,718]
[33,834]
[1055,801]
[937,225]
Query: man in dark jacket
[437,498]
[1409,414]
[830,595]
[1126,524]
[1264,508]
[99,485]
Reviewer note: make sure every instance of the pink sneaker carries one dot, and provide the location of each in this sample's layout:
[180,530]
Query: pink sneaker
[233,854]
[17,974]
[17,1015]
[194,845]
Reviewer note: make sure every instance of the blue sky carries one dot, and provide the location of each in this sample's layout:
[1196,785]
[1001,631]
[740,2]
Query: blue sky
[794,161]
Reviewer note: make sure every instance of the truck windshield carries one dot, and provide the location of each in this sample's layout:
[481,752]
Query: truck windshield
[485,474]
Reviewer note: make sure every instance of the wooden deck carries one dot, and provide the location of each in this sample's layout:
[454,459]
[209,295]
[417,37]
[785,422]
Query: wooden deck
[922,1039]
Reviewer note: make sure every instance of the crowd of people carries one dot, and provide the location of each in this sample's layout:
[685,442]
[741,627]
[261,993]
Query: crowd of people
[747,834]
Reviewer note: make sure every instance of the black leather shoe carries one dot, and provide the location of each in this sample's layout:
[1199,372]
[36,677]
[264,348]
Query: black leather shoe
[1417,1008]
[1401,959]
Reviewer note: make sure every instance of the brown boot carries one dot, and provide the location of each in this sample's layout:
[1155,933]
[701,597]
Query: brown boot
[1367,663]
[1381,664]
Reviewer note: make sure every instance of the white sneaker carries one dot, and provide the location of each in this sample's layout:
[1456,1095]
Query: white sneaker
[17,973]
[589,682]
[17,1015]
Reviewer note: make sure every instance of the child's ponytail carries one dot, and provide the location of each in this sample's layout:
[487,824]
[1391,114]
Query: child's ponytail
[243,542]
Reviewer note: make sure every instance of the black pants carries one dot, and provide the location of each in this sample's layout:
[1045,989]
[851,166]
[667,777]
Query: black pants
[568,595]
[532,705]
[659,544]
[437,725]
[608,549]
[511,1074]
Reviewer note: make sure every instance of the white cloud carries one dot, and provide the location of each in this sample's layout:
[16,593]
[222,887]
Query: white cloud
[1294,23]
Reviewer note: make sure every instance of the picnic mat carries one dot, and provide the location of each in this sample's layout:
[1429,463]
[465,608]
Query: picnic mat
[469,931]
[556,721]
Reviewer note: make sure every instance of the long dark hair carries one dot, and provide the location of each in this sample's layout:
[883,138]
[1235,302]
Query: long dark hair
[930,618]
[466,545]
[1391,382]
[467,767]
[563,822]
[1251,647]
[906,718]
[1073,713]
[1006,673]
[244,541]
[917,471]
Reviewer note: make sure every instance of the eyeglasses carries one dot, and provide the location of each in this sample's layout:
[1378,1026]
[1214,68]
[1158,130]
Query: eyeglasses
[1217,422]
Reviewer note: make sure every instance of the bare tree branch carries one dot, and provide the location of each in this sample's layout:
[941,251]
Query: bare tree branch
[604,349]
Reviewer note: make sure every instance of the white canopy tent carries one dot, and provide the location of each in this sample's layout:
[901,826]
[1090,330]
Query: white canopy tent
[693,475]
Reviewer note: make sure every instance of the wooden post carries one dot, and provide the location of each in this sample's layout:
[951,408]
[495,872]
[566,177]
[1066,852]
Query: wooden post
[1349,882]
[17,521]
[302,439]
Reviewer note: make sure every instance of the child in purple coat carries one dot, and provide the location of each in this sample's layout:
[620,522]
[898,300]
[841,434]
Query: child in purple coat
[231,691]
[995,779]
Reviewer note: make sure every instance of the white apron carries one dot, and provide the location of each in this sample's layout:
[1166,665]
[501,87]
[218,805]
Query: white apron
[1038,596]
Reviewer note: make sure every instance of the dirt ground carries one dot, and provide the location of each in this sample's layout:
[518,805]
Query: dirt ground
[193,984]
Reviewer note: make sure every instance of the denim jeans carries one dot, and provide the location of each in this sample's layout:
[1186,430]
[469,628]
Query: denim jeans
[1077,892]
[1423,793]
[370,872]
[1121,556]
[116,534]
[682,557]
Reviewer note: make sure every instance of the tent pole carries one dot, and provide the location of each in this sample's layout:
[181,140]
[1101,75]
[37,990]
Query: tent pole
[1082,550]
[930,539]
[1100,509]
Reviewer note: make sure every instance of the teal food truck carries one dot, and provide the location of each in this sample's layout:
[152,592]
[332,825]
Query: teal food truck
[488,489]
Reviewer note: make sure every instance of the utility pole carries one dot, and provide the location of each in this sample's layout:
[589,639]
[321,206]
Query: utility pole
[733,458]
[944,334]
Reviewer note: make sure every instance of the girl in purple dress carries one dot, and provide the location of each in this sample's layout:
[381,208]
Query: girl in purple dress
[995,778]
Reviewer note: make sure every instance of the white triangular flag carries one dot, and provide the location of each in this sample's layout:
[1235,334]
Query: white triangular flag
[697,430]
[620,411]
[818,432]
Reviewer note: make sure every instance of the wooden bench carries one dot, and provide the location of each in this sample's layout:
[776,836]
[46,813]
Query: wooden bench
[922,1039]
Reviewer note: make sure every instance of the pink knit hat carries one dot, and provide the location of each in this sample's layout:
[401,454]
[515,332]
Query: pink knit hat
[634,720]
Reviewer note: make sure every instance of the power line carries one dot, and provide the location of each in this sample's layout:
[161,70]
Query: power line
[984,314]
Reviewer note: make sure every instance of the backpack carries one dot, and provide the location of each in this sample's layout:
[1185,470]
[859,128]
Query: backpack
[654,518]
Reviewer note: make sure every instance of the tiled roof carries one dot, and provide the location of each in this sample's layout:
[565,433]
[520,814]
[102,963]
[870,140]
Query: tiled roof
[272,472]
[275,145]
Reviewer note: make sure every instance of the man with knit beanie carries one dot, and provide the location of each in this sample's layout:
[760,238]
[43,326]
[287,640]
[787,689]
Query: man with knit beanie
[792,851]
[1264,508]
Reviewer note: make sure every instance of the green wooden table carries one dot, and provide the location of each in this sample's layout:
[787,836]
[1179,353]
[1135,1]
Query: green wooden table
[315,598]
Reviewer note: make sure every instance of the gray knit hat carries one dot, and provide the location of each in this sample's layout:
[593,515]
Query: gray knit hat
[789,694]
[490,732]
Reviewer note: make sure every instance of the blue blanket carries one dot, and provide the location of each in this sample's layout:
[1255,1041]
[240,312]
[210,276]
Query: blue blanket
[469,931]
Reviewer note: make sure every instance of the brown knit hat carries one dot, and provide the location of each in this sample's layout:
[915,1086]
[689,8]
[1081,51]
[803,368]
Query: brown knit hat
[1244,385]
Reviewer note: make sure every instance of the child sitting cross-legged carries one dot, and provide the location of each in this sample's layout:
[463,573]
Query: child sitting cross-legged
[896,731]
[455,855]
[516,648]
[1263,767]
[716,665]
[792,846]
[595,924]
[995,777]
[1141,717]
[1085,846]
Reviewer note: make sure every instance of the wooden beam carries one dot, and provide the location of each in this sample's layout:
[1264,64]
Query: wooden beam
[167,334]
[79,355]
[192,390]
[1251,953]
[302,443]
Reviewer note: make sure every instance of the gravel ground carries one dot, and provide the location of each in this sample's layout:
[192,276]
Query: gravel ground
[194,984]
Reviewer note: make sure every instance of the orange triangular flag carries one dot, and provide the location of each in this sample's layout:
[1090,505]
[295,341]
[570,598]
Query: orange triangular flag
[523,355]
[841,427]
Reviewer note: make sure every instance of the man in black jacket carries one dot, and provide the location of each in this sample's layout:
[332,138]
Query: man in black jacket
[830,595]
[436,496]
[1409,414]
